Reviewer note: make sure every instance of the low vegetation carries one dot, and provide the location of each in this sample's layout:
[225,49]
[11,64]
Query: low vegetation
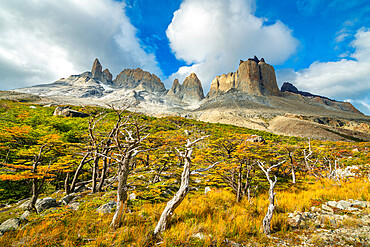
[140,161]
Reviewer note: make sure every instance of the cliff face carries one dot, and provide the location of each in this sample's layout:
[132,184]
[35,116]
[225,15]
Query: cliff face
[253,76]
[190,91]
[138,79]
[99,75]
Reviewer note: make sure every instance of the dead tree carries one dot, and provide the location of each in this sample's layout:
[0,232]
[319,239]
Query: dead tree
[83,161]
[36,183]
[266,223]
[292,164]
[183,190]
[127,139]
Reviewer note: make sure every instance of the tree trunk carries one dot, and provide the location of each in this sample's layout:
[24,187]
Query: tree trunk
[103,174]
[121,193]
[266,223]
[77,172]
[95,172]
[239,191]
[66,185]
[35,195]
[176,200]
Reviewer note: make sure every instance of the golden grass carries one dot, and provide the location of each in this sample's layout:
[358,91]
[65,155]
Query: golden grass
[215,215]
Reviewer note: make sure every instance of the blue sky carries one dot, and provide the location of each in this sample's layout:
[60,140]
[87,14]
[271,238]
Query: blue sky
[320,46]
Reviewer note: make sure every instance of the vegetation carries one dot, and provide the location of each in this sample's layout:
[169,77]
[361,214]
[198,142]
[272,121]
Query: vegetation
[118,153]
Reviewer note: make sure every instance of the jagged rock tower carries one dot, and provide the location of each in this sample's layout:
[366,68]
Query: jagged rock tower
[191,91]
[254,77]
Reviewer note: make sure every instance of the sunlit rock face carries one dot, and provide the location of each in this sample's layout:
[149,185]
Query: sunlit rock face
[254,77]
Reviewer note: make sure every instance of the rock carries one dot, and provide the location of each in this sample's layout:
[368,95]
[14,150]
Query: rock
[107,77]
[65,111]
[253,77]
[360,204]
[96,71]
[332,204]
[46,203]
[327,208]
[256,138]
[207,189]
[74,206]
[343,205]
[33,107]
[106,208]
[25,215]
[191,91]
[289,87]
[24,205]
[199,235]
[132,196]
[67,199]
[296,220]
[80,188]
[9,225]
[139,80]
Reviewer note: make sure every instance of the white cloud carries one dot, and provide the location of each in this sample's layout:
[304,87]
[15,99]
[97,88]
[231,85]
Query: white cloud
[344,79]
[211,36]
[42,40]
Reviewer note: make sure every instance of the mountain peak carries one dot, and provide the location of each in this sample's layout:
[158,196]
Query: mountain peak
[96,71]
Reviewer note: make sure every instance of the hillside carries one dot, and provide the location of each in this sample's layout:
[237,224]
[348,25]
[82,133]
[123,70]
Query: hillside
[322,188]
[248,97]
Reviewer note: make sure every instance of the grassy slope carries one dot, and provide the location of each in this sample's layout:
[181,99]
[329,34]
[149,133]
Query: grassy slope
[216,215]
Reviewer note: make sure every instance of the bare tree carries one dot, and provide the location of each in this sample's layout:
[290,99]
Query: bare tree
[127,139]
[183,190]
[266,223]
[36,183]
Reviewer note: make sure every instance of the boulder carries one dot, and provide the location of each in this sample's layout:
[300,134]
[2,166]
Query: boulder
[132,196]
[256,138]
[67,199]
[9,225]
[207,189]
[65,111]
[107,208]
[46,203]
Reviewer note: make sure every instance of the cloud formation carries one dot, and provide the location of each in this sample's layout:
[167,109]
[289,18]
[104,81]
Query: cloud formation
[346,79]
[41,41]
[211,36]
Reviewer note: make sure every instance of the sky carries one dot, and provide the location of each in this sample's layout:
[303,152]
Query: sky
[321,46]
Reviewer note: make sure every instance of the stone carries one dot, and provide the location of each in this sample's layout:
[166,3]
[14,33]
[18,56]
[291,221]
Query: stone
[207,189]
[9,225]
[96,71]
[107,208]
[67,199]
[327,208]
[65,111]
[332,204]
[80,188]
[33,107]
[132,196]
[343,205]
[139,80]
[74,205]
[360,204]
[46,203]
[296,220]
[253,77]
[256,138]
[199,235]
[25,215]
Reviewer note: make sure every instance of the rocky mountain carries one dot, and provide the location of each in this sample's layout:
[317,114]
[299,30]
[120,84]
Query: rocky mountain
[191,91]
[139,80]
[248,97]
[254,77]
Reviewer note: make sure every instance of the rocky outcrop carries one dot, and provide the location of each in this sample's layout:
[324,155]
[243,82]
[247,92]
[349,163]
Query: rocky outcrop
[191,91]
[65,111]
[254,77]
[96,71]
[107,77]
[139,80]
[343,106]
